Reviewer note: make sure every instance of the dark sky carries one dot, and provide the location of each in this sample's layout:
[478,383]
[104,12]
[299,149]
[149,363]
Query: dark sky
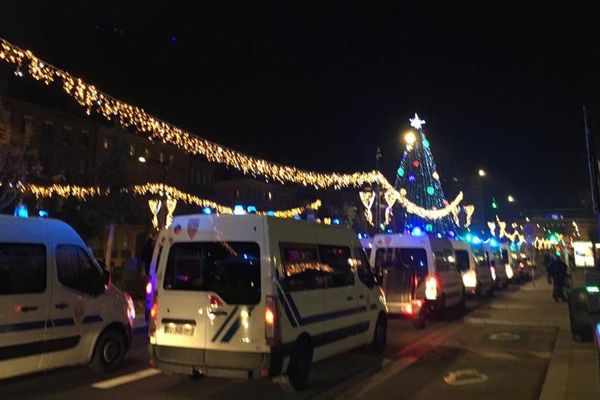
[321,87]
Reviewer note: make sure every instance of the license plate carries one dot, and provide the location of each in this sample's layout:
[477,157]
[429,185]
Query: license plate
[176,329]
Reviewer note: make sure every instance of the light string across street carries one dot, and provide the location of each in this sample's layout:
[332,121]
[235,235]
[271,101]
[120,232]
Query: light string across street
[92,99]
[83,193]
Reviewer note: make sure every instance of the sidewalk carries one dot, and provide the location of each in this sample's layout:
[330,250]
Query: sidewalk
[572,371]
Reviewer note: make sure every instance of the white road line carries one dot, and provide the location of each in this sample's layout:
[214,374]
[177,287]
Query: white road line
[122,380]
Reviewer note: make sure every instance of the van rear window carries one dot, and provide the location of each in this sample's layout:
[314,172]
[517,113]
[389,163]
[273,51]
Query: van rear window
[229,269]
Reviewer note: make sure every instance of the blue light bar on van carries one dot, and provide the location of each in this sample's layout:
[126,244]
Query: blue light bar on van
[335,221]
[271,213]
[207,210]
[239,210]
[43,214]
[476,240]
[416,231]
[21,211]
[251,209]
[469,237]
[493,242]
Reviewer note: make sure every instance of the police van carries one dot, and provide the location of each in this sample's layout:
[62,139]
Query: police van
[253,296]
[477,278]
[490,256]
[417,271]
[57,305]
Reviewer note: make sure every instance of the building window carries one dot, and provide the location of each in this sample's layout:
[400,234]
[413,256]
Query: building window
[131,150]
[105,144]
[161,157]
[27,123]
[147,153]
[85,138]
[66,135]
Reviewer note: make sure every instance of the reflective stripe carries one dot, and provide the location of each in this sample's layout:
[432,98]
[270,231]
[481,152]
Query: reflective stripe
[225,324]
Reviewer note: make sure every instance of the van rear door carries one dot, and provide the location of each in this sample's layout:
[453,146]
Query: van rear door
[210,292]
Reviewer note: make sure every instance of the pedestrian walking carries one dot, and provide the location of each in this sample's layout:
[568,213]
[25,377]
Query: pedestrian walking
[559,277]
[548,264]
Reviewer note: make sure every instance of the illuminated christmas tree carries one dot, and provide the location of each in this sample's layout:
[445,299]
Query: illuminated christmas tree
[417,178]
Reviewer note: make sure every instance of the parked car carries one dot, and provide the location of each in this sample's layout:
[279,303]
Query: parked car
[57,305]
[255,296]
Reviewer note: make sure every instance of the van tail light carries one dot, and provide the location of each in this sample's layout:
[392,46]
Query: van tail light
[431,287]
[149,288]
[153,316]
[215,301]
[272,326]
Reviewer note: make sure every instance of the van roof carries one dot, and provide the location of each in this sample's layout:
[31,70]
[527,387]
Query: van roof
[240,223]
[398,239]
[27,230]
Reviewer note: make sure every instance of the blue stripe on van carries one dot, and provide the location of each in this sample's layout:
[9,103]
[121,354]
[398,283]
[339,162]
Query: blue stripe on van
[24,326]
[332,315]
[88,319]
[225,324]
[234,327]
[61,322]
[288,312]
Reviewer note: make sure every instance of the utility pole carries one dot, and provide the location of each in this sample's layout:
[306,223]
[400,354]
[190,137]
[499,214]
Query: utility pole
[378,156]
[593,170]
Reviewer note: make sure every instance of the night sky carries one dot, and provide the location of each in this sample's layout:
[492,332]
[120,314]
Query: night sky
[321,87]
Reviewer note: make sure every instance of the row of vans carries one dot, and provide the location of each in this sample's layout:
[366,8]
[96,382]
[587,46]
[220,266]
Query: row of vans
[423,275]
[231,296]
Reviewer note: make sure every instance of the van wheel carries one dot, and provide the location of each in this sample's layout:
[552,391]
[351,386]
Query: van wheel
[109,352]
[379,335]
[462,305]
[299,367]
[419,319]
[441,311]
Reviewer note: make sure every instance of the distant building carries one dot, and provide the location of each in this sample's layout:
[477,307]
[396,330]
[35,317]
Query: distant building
[71,147]
[264,196]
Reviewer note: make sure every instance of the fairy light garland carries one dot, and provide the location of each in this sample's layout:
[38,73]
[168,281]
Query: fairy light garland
[128,115]
[83,193]
[65,191]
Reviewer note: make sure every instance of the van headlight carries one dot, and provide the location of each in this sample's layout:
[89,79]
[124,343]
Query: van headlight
[470,279]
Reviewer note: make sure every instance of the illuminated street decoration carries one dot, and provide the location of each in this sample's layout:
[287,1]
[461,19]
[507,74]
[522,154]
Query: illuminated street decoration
[154,206]
[158,189]
[171,204]
[416,122]
[129,116]
[367,199]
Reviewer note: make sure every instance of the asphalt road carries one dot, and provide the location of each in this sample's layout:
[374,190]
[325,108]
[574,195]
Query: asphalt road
[448,359]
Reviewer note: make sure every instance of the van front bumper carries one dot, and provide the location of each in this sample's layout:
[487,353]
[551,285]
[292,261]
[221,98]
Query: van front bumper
[216,363]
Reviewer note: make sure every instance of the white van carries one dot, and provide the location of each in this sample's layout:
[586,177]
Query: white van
[417,270]
[57,306]
[477,279]
[491,257]
[252,296]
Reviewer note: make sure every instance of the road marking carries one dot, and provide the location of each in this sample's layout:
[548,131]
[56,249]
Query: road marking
[465,377]
[504,337]
[122,380]
[378,379]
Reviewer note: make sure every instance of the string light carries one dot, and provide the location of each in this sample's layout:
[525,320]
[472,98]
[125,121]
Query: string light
[159,189]
[129,116]
[367,199]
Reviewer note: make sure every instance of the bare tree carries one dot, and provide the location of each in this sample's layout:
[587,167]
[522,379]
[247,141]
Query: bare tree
[18,159]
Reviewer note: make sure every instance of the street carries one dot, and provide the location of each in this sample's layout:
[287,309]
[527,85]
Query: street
[482,355]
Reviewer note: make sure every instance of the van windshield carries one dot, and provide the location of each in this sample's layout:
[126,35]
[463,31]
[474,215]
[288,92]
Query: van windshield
[229,269]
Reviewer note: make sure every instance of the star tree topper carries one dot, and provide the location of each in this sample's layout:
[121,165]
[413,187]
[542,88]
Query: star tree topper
[416,122]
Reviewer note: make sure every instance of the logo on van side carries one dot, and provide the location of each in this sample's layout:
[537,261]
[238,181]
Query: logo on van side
[192,228]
